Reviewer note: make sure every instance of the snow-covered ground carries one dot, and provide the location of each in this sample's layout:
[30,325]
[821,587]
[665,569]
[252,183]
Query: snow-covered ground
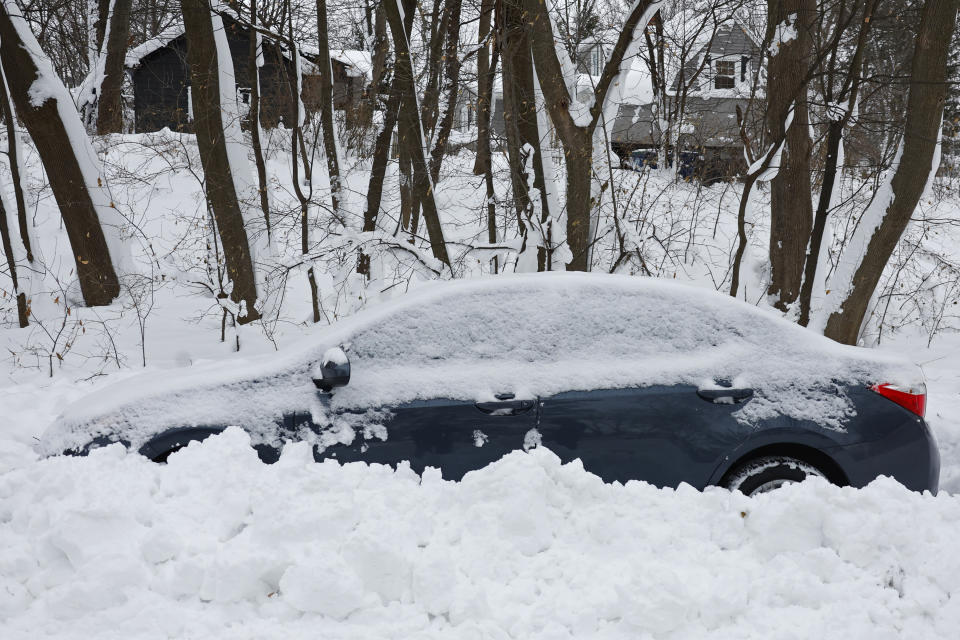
[217,545]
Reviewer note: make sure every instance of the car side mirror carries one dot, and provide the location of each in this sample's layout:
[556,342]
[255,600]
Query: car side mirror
[334,370]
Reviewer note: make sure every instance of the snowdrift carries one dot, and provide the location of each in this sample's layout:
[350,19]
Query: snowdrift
[536,335]
[218,545]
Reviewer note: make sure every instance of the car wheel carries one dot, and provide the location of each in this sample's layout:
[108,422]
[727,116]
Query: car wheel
[769,473]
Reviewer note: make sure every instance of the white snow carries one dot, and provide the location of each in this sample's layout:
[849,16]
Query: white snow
[359,63]
[165,37]
[784,33]
[217,545]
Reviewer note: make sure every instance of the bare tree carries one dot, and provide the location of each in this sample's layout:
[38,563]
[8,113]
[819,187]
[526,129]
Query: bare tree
[451,87]
[47,110]
[114,51]
[848,92]
[487,57]
[327,124]
[790,208]
[883,223]
[521,127]
[412,126]
[576,132]
[206,46]
[256,132]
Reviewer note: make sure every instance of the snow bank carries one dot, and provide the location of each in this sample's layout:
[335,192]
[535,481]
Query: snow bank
[217,545]
[536,335]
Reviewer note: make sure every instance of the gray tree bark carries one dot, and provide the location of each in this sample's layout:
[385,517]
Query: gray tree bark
[791,210]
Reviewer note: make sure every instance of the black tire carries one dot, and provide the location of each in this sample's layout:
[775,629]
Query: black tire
[769,473]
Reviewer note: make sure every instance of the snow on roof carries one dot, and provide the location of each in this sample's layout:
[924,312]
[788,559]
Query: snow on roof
[536,334]
[161,40]
[359,63]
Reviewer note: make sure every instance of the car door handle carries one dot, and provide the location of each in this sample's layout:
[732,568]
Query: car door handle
[506,407]
[725,396]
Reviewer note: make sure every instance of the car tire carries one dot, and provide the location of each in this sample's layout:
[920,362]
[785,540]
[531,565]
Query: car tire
[768,473]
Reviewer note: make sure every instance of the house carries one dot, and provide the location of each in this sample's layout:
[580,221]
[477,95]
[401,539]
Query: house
[710,69]
[160,79]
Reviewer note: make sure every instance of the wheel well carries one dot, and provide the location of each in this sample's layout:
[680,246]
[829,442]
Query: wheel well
[810,455]
[160,447]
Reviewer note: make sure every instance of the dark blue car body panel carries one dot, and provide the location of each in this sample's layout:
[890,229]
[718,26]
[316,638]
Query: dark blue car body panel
[664,435]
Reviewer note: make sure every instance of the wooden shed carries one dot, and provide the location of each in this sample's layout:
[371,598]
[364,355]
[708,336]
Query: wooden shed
[160,79]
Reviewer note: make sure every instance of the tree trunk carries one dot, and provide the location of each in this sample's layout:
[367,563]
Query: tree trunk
[100,26]
[451,86]
[484,88]
[791,211]
[381,155]
[210,128]
[832,170]
[328,126]
[883,223]
[8,244]
[486,73]
[110,96]
[578,150]
[412,128]
[362,117]
[519,108]
[431,93]
[58,135]
[256,57]
[15,156]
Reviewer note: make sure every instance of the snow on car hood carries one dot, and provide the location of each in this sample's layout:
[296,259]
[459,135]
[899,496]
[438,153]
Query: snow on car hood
[534,335]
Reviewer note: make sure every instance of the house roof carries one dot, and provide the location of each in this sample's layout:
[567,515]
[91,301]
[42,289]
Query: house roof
[707,123]
[161,40]
[358,63]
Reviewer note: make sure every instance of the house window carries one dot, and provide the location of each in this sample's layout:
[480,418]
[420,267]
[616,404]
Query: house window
[726,71]
[595,61]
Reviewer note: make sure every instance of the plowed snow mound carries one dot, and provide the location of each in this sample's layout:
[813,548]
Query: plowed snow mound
[217,545]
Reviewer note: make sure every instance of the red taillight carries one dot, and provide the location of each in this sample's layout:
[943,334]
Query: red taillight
[913,399]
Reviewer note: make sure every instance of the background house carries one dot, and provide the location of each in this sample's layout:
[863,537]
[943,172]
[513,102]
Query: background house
[160,79]
[710,70]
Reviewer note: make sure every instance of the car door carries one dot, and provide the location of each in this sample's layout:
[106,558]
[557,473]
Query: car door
[454,436]
[664,435]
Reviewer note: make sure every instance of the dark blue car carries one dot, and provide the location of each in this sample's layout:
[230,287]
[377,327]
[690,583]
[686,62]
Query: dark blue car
[640,379]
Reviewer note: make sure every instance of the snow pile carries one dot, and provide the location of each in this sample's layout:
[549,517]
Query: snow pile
[524,334]
[217,545]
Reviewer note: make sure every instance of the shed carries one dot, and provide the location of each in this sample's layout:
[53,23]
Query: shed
[160,79]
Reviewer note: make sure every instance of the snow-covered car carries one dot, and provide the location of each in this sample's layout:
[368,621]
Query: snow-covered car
[639,379]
